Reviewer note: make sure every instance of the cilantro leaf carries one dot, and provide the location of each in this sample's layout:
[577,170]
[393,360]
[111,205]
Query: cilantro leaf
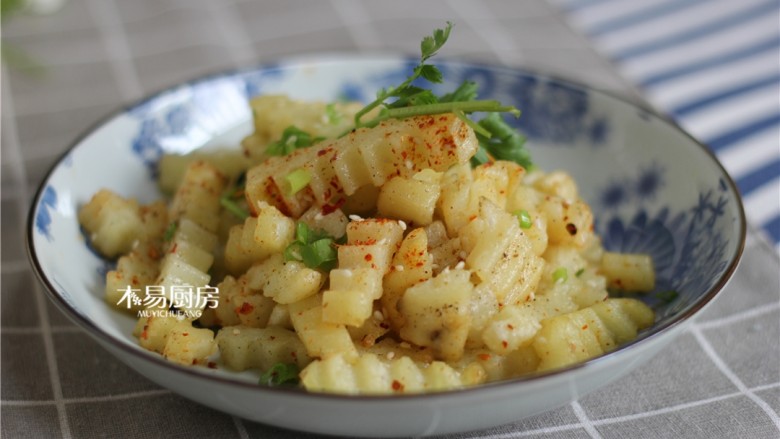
[320,254]
[467,91]
[430,73]
[505,143]
[431,44]
[314,248]
[413,96]
[292,138]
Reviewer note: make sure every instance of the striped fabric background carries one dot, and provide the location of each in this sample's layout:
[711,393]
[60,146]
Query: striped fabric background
[714,66]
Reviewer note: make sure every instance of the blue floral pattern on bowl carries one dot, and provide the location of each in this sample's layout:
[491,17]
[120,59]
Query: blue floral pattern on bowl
[44,216]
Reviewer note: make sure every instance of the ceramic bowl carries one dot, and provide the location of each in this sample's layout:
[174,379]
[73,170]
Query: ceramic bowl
[653,189]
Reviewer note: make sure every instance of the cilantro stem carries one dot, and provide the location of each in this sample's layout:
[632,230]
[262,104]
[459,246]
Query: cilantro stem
[363,111]
[474,126]
[439,108]
[428,48]
[449,107]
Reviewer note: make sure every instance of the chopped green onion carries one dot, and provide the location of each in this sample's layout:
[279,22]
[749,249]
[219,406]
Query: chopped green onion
[297,180]
[560,275]
[280,374]
[524,218]
[231,198]
[579,272]
[170,230]
[231,206]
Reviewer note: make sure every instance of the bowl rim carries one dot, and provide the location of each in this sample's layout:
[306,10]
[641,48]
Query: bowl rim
[298,61]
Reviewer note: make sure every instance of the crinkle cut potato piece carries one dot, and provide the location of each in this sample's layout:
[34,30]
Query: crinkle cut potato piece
[367,156]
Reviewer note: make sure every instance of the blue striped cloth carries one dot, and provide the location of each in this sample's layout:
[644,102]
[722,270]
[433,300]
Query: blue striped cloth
[712,65]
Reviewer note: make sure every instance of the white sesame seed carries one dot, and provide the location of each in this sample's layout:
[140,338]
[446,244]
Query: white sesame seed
[402,224]
[399,267]
[236,331]
[409,164]
[318,216]
[434,266]
[355,218]
[460,265]
[390,355]
[383,241]
[446,270]
[462,255]
[378,315]
[405,345]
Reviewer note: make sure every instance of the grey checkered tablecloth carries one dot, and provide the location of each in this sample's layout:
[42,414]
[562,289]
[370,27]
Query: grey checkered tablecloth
[721,379]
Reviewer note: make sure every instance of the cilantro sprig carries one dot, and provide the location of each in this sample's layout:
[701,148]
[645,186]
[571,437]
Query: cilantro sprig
[314,248]
[498,140]
[429,46]
[407,100]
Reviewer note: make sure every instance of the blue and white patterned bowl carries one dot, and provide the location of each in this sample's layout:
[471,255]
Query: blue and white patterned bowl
[653,189]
